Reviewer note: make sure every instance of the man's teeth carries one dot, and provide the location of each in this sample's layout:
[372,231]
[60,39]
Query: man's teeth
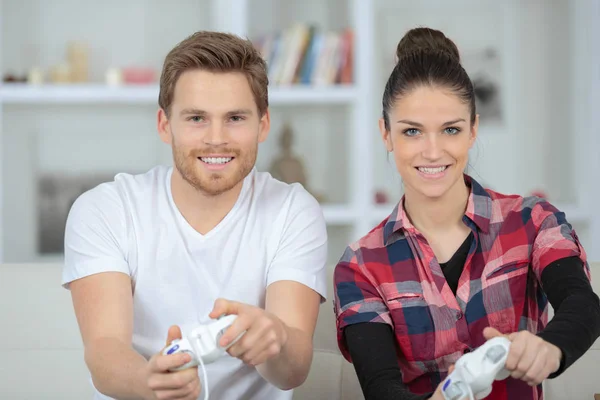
[427,170]
[216,160]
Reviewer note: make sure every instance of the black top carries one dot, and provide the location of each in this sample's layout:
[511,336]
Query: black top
[573,329]
[453,268]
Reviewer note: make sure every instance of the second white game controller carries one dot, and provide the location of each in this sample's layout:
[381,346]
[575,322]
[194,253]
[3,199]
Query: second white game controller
[474,373]
[202,344]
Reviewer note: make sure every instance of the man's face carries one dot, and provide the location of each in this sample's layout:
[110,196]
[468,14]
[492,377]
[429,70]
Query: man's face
[214,129]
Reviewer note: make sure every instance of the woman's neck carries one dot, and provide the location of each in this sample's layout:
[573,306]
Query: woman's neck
[437,214]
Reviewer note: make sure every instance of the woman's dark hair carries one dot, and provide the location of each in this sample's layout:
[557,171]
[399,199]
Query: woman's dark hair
[427,57]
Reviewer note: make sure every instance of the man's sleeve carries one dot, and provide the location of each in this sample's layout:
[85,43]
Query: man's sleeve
[95,235]
[301,254]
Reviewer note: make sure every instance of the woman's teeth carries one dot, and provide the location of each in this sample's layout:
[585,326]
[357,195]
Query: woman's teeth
[437,170]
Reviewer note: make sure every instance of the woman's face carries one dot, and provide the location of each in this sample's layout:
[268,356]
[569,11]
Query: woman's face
[430,136]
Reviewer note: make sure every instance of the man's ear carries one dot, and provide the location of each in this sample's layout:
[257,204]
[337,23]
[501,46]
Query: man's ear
[264,126]
[385,136]
[164,128]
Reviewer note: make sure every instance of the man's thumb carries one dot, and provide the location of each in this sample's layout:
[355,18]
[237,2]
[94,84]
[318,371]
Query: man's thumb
[174,333]
[490,332]
[223,307]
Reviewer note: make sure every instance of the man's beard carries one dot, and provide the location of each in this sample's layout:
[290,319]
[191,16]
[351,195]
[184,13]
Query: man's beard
[218,182]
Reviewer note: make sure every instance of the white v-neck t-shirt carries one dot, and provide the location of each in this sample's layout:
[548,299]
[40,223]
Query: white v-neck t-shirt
[274,232]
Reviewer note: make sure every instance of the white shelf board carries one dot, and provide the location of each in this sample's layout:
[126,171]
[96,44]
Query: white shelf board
[20,93]
[573,212]
[15,93]
[340,214]
[312,94]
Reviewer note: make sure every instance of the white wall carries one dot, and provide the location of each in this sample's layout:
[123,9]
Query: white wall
[532,40]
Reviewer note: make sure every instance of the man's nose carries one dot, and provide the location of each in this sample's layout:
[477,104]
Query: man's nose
[215,135]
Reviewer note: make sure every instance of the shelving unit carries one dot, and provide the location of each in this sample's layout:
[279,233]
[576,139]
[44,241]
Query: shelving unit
[19,93]
[340,121]
[235,16]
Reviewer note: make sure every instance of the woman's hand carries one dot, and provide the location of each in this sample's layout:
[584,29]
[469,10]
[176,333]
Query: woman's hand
[437,395]
[530,357]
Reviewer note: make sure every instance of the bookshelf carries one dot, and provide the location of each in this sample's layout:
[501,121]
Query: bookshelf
[327,94]
[335,120]
[24,94]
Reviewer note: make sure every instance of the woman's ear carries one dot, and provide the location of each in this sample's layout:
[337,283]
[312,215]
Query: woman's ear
[385,136]
[474,130]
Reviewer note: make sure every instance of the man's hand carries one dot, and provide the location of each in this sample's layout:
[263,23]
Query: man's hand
[164,384]
[530,358]
[265,334]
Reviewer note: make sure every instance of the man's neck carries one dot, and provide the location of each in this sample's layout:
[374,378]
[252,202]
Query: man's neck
[437,215]
[203,212]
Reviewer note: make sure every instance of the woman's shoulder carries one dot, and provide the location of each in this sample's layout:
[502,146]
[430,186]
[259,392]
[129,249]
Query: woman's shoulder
[381,245]
[372,240]
[527,209]
[354,252]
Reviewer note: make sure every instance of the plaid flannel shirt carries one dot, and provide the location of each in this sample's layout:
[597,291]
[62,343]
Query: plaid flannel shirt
[391,276]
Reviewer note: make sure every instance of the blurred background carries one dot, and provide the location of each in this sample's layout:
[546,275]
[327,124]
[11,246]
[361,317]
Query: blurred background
[79,94]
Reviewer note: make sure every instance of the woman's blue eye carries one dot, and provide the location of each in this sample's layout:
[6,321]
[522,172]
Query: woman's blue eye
[452,131]
[411,132]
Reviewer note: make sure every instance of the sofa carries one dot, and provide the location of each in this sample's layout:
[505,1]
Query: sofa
[42,356]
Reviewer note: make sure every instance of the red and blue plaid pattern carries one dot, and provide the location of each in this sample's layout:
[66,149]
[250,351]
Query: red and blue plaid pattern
[392,276]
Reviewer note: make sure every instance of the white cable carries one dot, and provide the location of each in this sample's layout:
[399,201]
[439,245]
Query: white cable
[471,395]
[204,381]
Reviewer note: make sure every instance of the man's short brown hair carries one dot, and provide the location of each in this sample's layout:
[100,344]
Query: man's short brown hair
[215,52]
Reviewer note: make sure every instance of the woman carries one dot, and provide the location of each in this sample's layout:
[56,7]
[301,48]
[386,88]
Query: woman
[456,264]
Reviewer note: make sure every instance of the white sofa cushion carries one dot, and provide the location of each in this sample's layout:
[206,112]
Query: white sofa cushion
[43,356]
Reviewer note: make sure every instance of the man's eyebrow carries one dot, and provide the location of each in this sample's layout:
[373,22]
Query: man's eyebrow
[194,111]
[241,111]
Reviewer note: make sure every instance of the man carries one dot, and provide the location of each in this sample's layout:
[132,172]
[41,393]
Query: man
[151,256]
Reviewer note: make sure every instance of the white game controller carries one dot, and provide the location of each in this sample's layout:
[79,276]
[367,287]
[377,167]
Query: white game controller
[202,344]
[475,372]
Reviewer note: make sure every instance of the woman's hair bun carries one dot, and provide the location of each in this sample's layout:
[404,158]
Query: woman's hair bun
[426,40]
